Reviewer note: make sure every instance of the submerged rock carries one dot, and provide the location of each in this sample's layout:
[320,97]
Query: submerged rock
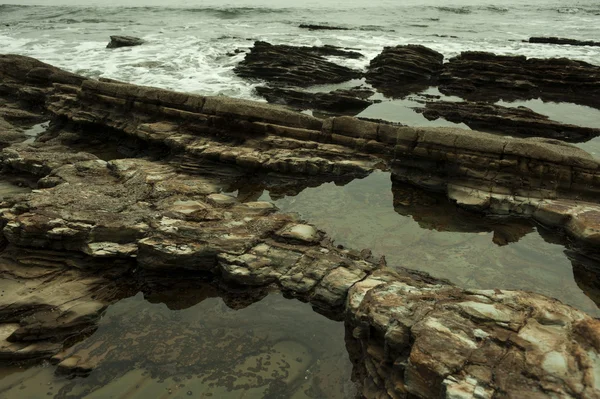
[342,101]
[562,41]
[402,70]
[321,27]
[517,121]
[124,41]
[298,66]
[480,76]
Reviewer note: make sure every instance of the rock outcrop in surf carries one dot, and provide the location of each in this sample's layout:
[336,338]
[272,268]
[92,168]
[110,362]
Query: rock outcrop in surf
[402,70]
[124,41]
[295,66]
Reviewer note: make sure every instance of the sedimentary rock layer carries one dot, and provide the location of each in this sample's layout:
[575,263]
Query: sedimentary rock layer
[297,66]
[411,335]
[482,171]
[490,77]
[517,121]
[400,70]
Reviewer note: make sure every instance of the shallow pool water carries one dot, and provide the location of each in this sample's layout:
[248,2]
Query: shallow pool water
[426,232]
[191,343]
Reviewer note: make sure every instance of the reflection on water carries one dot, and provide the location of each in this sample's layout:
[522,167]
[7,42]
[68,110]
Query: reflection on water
[275,348]
[423,232]
[569,113]
[35,130]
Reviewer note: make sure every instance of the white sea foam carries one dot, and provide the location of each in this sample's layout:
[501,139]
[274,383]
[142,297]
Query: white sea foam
[189,49]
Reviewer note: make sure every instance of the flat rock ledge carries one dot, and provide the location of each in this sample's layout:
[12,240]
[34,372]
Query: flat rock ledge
[527,177]
[516,121]
[409,334]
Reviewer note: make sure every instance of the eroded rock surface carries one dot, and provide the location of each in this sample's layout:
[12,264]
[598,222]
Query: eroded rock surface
[411,335]
[517,121]
[297,66]
[490,77]
[402,70]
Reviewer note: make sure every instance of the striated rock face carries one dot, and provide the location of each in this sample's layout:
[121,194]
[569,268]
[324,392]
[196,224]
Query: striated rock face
[485,172]
[436,342]
[347,102]
[520,121]
[401,70]
[91,223]
[489,77]
[124,41]
[297,66]
[562,40]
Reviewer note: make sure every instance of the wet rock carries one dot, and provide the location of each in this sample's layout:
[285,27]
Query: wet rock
[10,134]
[479,76]
[71,245]
[124,41]
[297,66]
[321,27]
[562,41]
[342,101]
[519,121]
[402,70]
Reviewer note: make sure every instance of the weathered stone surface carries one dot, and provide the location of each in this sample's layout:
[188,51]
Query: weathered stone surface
[427,342]
[562,41]
[124,41]
[519,121]
[490,77]
[347,102]
[297,66]
[401,70]
[411,335]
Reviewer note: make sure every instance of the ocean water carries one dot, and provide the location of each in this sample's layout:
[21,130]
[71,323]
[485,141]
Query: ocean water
[189,40]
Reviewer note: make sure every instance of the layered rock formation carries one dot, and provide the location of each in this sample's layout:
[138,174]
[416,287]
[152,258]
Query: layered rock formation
[490,77]
[401,70]
[124,41]
[342,101]
[562,41]
[297,66]
[409,334]
[519,121]
[546,179]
